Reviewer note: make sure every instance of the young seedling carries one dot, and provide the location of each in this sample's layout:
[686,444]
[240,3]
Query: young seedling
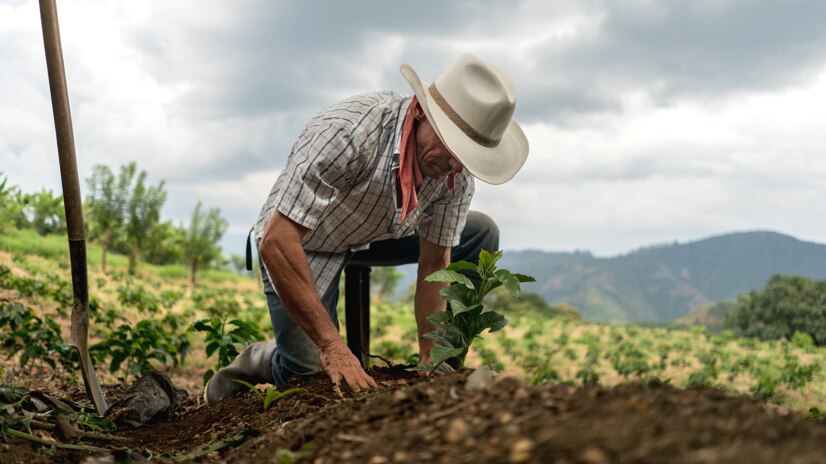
[466,318]
[270,395]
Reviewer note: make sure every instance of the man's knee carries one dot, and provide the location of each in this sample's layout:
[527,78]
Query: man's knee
[485,230]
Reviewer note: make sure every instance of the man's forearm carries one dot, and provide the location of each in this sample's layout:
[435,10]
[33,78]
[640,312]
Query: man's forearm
[287,265]
[427,302]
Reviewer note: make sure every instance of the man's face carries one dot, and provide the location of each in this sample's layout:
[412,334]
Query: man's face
[435,160]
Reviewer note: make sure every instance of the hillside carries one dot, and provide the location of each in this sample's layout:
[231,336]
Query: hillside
[663,283]
[546,407]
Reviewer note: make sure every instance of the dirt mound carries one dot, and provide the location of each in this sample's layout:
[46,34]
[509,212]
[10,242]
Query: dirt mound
[411,419]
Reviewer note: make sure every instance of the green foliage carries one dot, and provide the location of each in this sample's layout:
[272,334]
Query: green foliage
[44,212]
[11,208]
[165,244]
[200,248]
[135,295]
[106,206]
[787,305]
[383,281]
[802,340]
[37,340]
[143,212]
[137,345]
[465,318]
[223,335]
[124,212]
[629,361]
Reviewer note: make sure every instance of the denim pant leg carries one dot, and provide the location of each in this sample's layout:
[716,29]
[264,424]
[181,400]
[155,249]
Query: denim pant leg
[295,352]
[480,233]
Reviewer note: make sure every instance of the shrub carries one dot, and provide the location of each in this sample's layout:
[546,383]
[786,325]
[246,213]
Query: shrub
[786,305]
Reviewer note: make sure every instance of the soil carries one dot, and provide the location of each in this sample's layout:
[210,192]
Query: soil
[412,419]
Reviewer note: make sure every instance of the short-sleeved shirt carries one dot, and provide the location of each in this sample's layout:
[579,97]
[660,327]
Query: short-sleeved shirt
[340,182]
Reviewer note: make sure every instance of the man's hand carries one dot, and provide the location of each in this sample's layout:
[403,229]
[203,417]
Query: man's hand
[340,363]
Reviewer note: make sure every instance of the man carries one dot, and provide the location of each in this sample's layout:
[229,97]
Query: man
[378,179]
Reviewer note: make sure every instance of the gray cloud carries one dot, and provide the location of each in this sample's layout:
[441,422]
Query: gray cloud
[676,50]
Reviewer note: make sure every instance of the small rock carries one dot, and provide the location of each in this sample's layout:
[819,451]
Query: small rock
[593,455]
[399,396]
[521,394]
[511,429]
[457,430]
[401,456]
[481,379]
[505,418]
[379,460]
[521,450]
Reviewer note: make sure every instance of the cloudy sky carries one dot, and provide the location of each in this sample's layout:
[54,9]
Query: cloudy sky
[649,121]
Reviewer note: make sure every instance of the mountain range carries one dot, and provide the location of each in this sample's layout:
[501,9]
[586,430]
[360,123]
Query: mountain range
[664,282]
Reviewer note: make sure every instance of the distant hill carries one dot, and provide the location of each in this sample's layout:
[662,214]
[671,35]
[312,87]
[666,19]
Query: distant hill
[666,282]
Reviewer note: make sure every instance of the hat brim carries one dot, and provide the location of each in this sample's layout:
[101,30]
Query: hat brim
[495,165]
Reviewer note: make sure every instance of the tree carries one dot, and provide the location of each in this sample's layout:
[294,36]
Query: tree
[44,212]
[143,213]
[165,244]
[384,279]
[200,249]
[106,205]
[787,304]
[11,208]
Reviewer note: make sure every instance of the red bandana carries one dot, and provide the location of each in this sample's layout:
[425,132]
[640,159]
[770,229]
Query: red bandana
[410,175]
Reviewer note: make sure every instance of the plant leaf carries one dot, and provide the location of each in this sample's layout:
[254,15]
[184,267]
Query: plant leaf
[458,296]
[456,312]
[463,266]
[449,276]
[510,282]
[439,337]
[492,320]
[524,278]
[441,353]
[439,318]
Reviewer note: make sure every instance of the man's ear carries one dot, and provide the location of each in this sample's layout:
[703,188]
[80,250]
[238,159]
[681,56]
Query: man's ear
[419,113]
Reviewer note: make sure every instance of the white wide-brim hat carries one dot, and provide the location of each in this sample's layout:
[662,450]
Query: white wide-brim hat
[471,109]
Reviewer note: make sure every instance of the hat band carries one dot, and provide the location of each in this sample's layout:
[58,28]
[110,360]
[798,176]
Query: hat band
[457,119]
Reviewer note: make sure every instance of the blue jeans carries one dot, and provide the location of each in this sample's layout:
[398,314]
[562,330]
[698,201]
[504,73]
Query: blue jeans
[296,354]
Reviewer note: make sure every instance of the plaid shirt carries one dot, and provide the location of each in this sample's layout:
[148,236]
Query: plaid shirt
[340,182]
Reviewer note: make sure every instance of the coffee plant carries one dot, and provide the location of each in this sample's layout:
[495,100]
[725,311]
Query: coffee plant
[466,318]
[37,340]
[224,336]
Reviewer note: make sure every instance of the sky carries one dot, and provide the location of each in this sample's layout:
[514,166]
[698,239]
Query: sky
[649,121]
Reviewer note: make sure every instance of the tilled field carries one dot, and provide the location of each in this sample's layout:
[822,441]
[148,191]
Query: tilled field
[411,419]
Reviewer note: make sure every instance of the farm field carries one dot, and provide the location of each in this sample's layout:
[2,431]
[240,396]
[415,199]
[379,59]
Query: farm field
[569,390]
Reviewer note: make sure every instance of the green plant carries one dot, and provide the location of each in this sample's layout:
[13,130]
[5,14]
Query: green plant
[271,394]
[137,296]
[223,336]
[139,344]
[765,388]
[34,338]
[465,318]
[200,248]
[629,361]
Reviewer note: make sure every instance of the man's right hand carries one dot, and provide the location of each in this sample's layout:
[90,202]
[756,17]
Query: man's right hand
[340,363]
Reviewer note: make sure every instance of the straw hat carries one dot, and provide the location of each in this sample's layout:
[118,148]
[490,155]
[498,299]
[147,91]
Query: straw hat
[471,109]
